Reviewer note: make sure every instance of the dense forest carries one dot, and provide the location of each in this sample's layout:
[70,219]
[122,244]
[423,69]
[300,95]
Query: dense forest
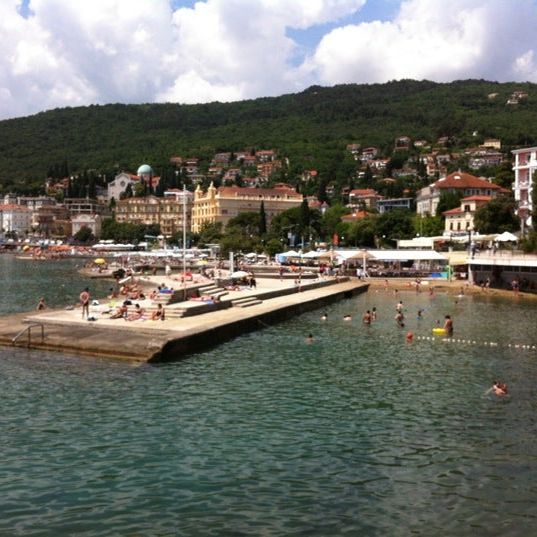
[311,128]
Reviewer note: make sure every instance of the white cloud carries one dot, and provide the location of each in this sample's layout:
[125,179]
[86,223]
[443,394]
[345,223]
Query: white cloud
[75,52]
[440,41]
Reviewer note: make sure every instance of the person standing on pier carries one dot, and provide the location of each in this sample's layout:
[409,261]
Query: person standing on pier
[84,301]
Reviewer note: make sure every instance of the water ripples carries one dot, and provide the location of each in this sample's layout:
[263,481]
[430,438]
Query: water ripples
[357,433]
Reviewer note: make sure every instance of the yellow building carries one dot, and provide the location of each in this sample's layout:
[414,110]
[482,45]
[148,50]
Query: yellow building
[222,204]
[166,212]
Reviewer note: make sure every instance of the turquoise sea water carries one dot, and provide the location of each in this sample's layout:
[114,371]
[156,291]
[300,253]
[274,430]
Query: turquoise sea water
[357,433]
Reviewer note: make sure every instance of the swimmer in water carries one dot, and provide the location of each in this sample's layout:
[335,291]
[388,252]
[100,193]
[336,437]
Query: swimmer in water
[448,325]
[324,316]
[420,314]
[499,388]
[366,319]
[374,314]
[309,339]
[347,318]
[399,319]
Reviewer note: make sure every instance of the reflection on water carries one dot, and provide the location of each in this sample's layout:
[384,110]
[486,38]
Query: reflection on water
[357,433]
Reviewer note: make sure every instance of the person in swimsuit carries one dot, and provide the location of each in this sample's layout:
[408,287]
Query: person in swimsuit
[448,325]
[84,301]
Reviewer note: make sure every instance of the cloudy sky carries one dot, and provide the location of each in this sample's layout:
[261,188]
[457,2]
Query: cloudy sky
[58,53]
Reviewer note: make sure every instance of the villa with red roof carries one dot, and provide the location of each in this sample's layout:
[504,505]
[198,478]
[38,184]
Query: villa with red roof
[461,219]
[363,198]
[465,183]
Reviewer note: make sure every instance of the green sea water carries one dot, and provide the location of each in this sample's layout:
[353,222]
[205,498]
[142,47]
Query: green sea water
[357,433]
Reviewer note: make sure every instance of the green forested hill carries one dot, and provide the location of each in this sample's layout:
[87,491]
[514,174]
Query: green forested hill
[308,126]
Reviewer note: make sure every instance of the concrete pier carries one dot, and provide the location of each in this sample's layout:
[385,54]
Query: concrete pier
[176,337]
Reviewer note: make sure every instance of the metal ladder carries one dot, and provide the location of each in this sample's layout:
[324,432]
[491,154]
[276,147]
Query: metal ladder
[28,329]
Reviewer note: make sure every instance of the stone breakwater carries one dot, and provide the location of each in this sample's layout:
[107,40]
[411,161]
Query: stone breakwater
[176,337]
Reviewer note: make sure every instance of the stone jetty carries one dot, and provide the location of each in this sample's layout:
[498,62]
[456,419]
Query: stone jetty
[189,326]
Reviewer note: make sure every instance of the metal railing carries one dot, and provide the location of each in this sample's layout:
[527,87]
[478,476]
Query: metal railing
[28,330]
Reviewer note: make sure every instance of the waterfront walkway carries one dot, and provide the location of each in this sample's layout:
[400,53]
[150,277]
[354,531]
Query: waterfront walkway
[176,337]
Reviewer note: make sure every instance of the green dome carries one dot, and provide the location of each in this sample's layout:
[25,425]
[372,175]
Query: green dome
[144,169]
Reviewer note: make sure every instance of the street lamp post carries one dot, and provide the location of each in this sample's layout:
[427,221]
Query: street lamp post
[184,241]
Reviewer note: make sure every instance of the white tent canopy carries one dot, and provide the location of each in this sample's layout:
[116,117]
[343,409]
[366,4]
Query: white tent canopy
[507,237]
[406,255]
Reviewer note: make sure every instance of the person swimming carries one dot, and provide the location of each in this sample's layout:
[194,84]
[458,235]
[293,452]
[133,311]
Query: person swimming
[347,317]
[499,388]
[309,339]
[324,317]
[448,325]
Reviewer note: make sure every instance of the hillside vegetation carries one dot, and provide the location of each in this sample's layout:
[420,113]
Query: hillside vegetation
[312,128]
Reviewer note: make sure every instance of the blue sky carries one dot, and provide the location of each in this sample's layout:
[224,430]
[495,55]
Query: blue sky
[59,53]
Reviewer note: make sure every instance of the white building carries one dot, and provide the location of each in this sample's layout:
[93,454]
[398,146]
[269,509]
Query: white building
[461,182]
[91,221]
[15,219]
[119,185]
[524,168]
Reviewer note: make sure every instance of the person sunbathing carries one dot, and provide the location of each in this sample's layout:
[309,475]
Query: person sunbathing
[158,314]
[121,311]
[137,314]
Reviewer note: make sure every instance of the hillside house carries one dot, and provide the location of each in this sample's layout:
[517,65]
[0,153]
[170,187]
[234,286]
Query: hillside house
[464,183]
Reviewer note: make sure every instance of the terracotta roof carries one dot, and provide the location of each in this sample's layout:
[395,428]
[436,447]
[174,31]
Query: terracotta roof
[257,192]
[354,216]
[477,198]
[13,207]
[458,210]
[464,180]
[363,192]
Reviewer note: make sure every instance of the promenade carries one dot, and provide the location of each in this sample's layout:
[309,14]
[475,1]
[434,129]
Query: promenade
[176,337]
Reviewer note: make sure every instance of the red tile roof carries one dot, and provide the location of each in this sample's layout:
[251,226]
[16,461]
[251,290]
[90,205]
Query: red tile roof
[354,216]
[458,210]
[227,191]
[465,180]
[363,192]
[477,198]
[13,207]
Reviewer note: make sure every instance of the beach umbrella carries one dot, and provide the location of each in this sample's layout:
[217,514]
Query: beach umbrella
[100,261]
[239,274]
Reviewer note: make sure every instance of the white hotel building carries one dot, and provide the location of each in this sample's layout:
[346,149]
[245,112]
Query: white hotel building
[524,168]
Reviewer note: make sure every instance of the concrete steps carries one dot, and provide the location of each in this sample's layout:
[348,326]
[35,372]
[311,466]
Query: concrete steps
[246,302]
[212,290]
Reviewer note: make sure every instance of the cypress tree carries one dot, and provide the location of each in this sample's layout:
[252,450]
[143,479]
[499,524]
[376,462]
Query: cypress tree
[262,219]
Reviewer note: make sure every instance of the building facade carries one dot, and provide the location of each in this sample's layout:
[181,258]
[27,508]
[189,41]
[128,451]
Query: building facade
[460,221]
[221,204]
[15,219]
[91,221]
[464,183]
[119,185]
[166,212]
[524,168]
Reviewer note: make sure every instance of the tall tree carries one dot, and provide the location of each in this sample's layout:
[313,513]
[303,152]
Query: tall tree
[262,219]
[497,216]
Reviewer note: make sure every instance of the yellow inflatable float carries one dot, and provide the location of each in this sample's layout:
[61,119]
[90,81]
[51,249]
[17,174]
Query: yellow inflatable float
[439,331]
